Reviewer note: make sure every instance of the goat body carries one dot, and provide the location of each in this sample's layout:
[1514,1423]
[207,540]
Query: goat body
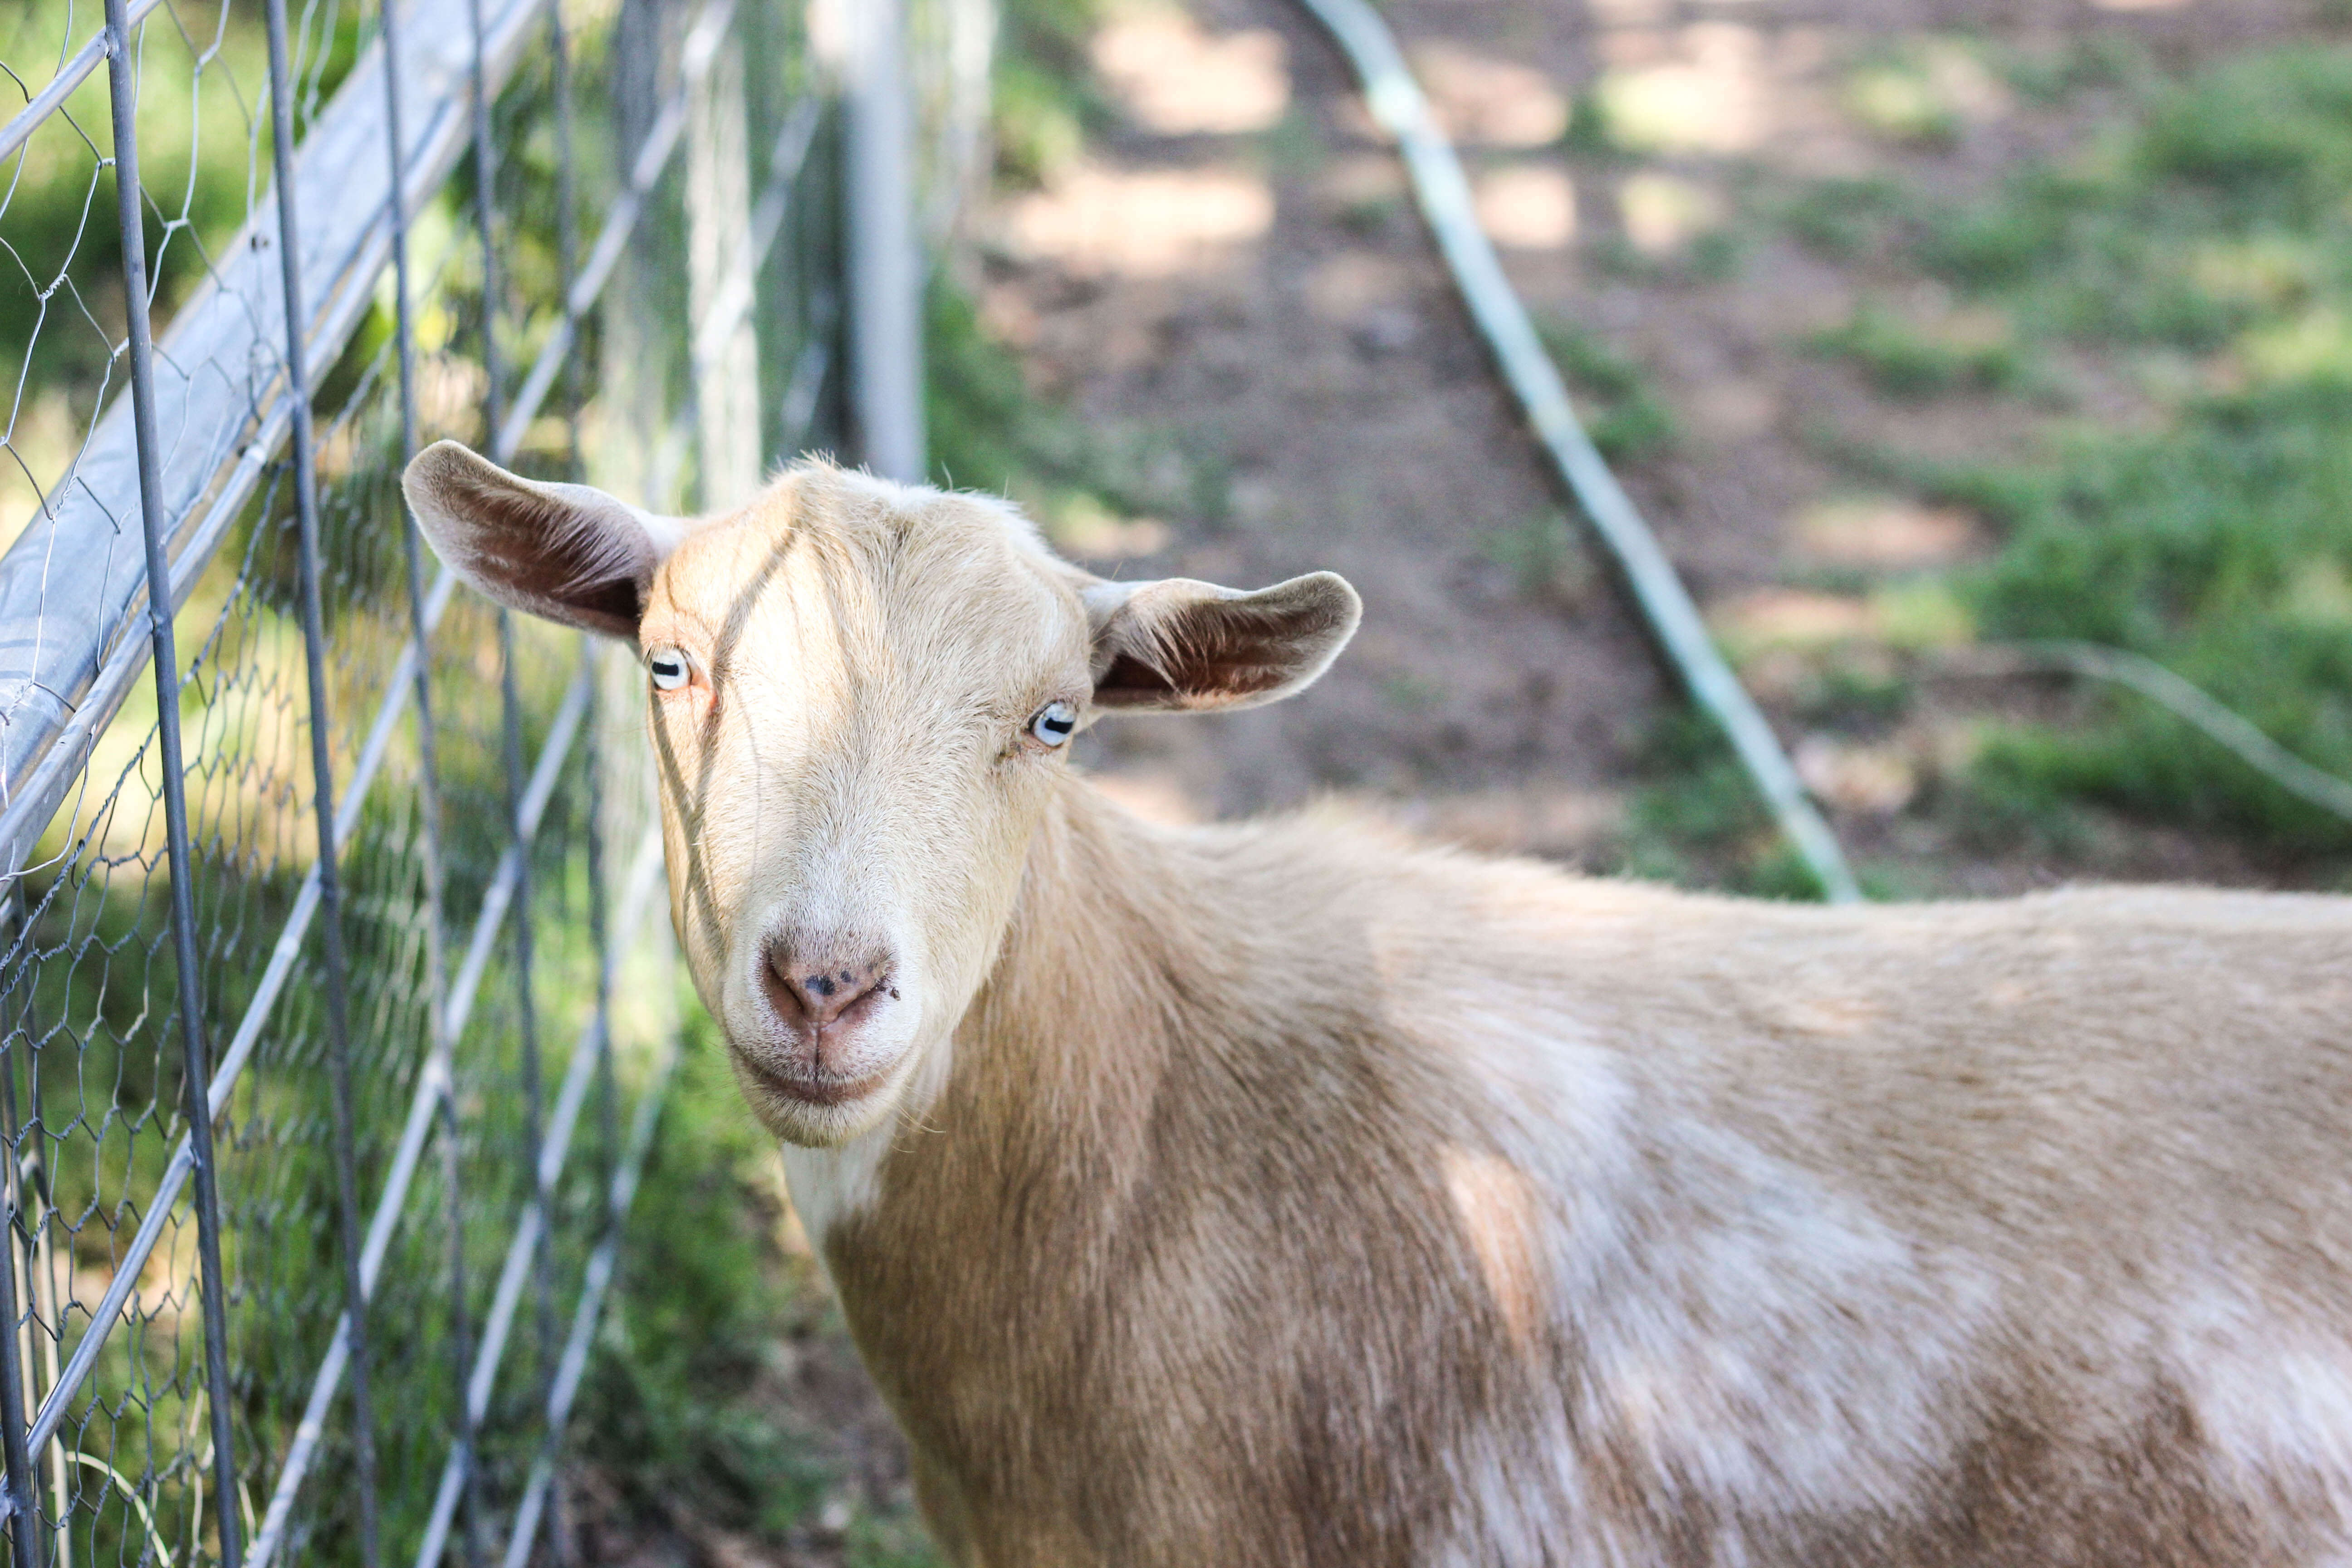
[1296,1195]
[1292,1195]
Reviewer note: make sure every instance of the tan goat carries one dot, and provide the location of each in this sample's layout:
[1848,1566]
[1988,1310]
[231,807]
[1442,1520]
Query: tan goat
[1292,1193]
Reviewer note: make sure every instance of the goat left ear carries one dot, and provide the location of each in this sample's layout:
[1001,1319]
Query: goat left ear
[565,552]
[1182,646]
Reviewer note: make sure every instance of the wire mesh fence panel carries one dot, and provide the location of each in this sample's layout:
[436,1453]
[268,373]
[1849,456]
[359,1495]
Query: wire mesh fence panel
[419,896]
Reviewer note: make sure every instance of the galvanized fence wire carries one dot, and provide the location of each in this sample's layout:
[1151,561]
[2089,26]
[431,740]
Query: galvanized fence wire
[335,995]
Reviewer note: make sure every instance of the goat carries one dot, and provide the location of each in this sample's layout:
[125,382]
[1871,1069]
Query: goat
[1293,1193]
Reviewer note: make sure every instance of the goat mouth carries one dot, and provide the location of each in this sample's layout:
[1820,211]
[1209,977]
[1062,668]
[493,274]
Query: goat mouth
[822,1092]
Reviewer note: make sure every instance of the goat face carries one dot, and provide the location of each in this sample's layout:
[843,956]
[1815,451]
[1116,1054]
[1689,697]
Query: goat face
[860,696]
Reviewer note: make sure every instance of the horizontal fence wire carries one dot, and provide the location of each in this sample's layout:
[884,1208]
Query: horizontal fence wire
[338,952]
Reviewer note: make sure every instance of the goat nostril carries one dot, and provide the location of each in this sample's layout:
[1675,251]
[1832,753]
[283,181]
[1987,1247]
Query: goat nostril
[807,997]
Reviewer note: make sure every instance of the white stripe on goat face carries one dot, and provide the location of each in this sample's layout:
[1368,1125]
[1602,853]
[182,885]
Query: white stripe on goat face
[850,801]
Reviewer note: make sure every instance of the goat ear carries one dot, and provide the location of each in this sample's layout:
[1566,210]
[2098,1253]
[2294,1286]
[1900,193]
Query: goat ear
[566,552]
[1182,646]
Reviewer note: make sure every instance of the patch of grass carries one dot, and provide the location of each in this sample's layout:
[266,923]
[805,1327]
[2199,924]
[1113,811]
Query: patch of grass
[1903,363]
[1368,216]
[683,1404]
[989,431]
[2048,76]
[1545,557]
[1852,697]
[888,1543]
[1626,422]
[1715,257]
[1897,99]
[1847,217]
[2220,205]
[1292,149]
[1042,100]
[1410,693]
[1697,820]
[2217,548]
[1036,121]
[2009,798]
[1590,131]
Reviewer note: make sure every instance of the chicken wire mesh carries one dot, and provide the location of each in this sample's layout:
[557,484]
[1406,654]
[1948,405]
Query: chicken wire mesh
[421,882]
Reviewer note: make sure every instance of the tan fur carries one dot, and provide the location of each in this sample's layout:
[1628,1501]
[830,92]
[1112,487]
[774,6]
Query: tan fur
[1294,1194]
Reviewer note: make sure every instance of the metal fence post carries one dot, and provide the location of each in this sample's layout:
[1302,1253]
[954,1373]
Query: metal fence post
[486,165]
[511,723]
[123,92]
[725,365]
[886,270]
[439,1045]
[558,1523]
[22,1499]
[322,782]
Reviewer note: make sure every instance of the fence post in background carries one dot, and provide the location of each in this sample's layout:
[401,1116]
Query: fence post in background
[437,1044]
[513,766]
[884,259]
[726,367]
[322,781]
[15,1410]
[486,166]
[952,82]
[33,1220]
[631,349]
[121,72]
[567,257]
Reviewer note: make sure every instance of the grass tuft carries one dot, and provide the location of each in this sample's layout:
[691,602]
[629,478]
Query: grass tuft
[1902,362]
[1625,421]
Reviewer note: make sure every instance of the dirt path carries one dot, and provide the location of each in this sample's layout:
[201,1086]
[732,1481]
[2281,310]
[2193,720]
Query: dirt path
[1236,265]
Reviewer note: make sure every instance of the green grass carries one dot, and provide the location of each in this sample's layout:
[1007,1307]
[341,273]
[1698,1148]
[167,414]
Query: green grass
[1043,102]
[2204,242]
[1903,363]
[2222,548]
[1696,820]
[1546,557]
[989,431]
[684,1405]
[1626,422]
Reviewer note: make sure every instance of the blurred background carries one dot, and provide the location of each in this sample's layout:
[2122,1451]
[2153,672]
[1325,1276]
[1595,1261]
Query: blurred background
[1925,333]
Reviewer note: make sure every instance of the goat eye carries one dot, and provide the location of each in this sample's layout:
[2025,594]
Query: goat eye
[669,668]
[1054,723]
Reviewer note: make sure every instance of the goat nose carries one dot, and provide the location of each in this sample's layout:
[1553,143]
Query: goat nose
[812,984]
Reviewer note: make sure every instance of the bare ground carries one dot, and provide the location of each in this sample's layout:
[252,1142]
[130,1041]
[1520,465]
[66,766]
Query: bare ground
[1236,264]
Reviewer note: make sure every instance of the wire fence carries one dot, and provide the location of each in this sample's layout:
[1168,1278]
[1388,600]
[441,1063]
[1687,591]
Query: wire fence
[358,871]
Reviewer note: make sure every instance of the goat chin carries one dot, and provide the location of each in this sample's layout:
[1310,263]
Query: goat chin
[1298,1194]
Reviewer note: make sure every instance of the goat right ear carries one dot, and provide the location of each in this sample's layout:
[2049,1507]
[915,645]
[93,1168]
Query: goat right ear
[565,552]
[1182,646]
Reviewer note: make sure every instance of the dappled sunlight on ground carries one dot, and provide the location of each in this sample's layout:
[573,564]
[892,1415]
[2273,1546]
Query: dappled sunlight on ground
[1886,532]
[1177,80]
[1698,209]
[1526,208]
[1706,88]
[1150,223]
[1483,101]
